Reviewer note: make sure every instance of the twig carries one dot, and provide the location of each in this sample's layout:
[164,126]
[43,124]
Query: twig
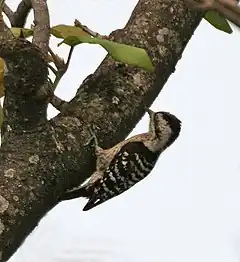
[89,31]
[227,8]
[52,69]
[58,103]
[21,13]
[62,68]
[19,17]
[5,33]
[58,62]
[9,13]
[69,57]
[233,14]
[231,5]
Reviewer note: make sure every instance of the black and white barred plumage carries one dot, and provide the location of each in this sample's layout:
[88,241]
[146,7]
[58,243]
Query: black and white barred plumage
[122,166]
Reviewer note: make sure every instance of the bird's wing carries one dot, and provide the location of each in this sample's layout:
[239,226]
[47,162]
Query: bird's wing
[130,165]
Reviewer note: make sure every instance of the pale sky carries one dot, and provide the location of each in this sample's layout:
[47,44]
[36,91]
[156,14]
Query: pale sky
[188,208]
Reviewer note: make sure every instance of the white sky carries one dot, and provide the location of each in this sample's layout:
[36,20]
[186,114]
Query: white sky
[188,209]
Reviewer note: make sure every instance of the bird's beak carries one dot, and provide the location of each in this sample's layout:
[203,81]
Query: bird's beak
[150,112]
[151,121]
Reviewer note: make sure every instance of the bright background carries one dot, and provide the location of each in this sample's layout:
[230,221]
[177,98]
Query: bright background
[188,209]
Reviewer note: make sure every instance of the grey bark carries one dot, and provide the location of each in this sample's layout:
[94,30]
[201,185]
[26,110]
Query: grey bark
[40,159]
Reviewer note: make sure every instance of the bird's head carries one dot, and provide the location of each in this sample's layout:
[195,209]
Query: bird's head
[164,126]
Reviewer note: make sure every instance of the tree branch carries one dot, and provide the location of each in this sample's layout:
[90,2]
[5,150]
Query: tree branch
[232,14]
[62,68]
[26,72]
[5,33]
[37,166]
[42,24]
[228,8]
[88,30]
[8,12]
[18,18]
[41,39]
[22,109]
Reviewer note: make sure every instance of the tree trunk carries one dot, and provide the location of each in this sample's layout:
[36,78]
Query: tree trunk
[40,159]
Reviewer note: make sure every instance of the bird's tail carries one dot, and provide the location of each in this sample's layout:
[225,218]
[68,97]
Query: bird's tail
[75,193]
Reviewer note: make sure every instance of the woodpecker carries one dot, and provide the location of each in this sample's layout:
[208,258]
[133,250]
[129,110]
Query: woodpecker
[128,162]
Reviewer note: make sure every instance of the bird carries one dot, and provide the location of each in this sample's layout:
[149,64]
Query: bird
[128,162]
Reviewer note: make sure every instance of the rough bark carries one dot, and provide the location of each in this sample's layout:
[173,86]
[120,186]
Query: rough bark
[40,159]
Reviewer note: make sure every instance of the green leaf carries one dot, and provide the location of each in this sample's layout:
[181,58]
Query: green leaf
[120,52]
[127,54]
[26,32]
[76,40]
[218,21]
[63,31]
[135,56]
